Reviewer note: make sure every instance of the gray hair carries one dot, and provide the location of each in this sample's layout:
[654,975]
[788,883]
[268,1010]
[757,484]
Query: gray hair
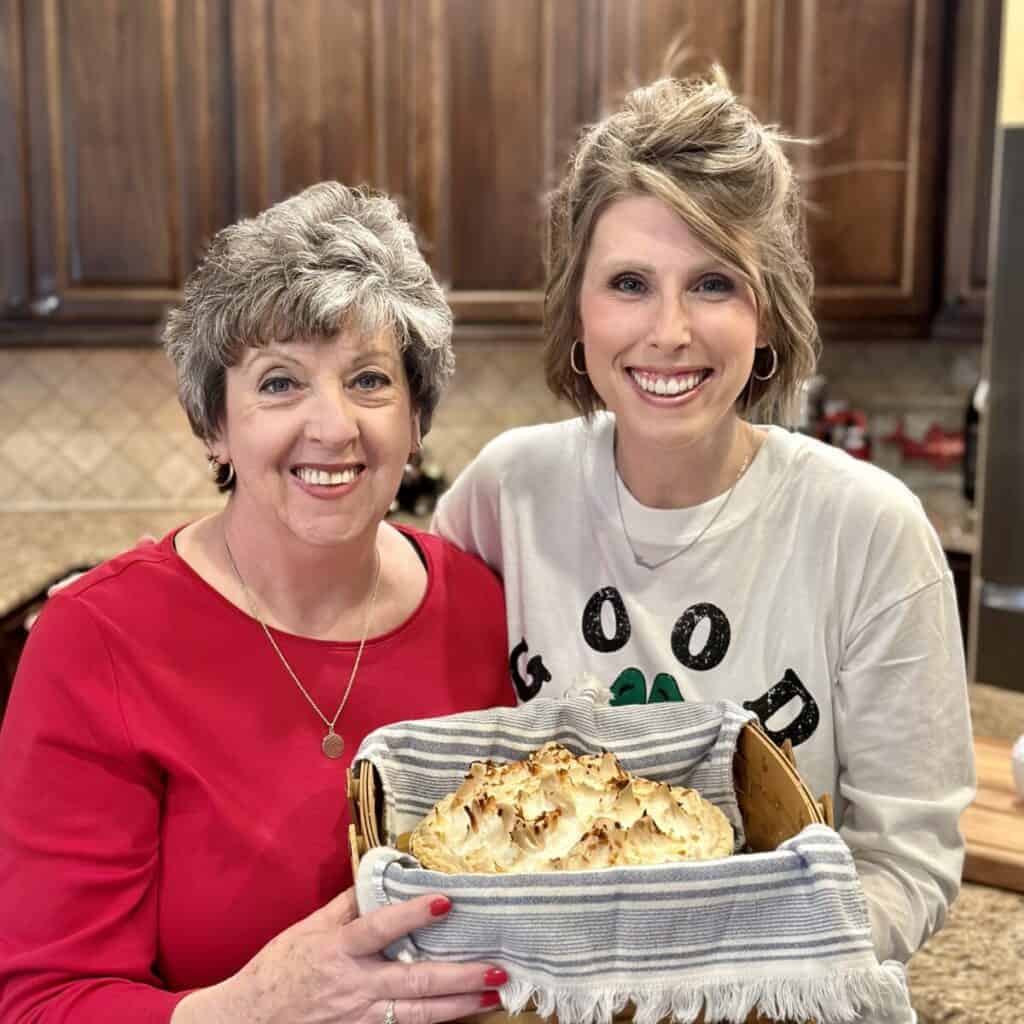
[329,258]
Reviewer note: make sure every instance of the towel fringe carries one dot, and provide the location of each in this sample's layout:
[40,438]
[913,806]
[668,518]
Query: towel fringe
[837,998]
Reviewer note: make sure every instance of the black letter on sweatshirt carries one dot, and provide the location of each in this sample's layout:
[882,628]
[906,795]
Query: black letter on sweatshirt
[535,669]
[593,632]
[780,694]
[717,643]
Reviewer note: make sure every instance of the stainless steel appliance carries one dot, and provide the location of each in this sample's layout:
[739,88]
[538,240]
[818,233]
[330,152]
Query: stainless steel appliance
[996,639]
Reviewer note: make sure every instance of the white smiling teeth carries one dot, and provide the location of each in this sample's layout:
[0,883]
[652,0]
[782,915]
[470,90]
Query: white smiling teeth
[321,478]
[655,384]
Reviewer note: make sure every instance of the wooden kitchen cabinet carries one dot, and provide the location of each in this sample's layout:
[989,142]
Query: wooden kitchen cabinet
[975,89]
[469,108]
[138,129]
[118,120]
[117,115]
[862,80]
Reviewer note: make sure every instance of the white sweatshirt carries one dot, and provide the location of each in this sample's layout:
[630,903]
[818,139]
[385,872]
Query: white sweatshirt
[819,597]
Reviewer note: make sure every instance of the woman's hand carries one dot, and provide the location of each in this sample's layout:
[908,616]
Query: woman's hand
[327,969]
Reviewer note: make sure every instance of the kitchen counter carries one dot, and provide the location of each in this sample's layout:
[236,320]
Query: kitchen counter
[37,547]
[972,972]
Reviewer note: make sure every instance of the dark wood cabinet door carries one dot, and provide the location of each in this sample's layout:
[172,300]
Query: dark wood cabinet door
[862,82]
[122,137]
[519,81]
[341,89]
[464,110]
[976,34]
[15,240]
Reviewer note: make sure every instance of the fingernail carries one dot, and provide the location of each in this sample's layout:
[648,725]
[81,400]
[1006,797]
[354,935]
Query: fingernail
[490,999]
[440,906]
[495,976]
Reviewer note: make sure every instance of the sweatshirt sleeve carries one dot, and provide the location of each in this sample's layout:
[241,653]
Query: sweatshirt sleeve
[79,838]
[468,513]
[906,762]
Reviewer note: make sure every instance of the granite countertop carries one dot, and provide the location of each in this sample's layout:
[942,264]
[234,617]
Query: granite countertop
[972,972]
[39,547]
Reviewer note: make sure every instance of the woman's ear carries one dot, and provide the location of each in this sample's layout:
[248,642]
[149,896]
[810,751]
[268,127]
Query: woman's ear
[217,449]
[417,437]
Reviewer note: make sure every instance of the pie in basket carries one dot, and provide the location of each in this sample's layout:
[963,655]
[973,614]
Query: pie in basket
[556,811]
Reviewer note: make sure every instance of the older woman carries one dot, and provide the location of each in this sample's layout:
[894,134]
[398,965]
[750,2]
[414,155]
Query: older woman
[711,556]
[172,766]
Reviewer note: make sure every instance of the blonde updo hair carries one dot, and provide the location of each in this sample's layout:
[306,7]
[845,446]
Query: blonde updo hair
[694,146]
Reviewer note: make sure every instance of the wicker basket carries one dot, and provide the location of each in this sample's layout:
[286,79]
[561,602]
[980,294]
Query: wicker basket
[773,800]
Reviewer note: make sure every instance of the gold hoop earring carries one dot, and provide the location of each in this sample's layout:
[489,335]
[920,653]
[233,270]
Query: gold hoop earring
[215,466]
[771,372]
[572,359]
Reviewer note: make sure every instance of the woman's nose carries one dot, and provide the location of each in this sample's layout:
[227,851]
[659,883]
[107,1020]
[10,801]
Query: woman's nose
[331,419]
[673,324]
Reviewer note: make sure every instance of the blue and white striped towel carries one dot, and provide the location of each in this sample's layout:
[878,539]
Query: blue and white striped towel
[784,932]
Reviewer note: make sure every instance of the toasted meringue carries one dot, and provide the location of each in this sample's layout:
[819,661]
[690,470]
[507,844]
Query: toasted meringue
[556,811]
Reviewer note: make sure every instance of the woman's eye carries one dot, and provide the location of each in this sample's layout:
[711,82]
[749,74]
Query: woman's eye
[276,385]
[371,380]
[630,284]
[715,284]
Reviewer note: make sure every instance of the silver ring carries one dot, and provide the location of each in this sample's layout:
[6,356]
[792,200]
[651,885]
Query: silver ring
[389,1013]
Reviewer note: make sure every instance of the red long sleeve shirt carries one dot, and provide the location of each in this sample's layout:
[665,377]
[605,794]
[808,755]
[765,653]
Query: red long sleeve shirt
[165,807]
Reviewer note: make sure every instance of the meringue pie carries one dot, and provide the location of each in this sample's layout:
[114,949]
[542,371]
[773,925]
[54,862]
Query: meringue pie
[556,811]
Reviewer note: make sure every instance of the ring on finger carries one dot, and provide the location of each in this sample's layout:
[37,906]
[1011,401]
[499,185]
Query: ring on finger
[389,1013]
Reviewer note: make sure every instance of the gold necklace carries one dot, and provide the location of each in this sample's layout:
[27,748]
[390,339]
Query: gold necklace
[332,744]
[643,562]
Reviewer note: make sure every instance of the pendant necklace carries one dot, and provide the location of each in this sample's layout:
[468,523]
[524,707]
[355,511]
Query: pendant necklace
[645,563]
[332,744]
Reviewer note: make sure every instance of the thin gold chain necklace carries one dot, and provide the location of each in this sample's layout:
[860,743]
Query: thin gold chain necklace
[643,562]
[332,744]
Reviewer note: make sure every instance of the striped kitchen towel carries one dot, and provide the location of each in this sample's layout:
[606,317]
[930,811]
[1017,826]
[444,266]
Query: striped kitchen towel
[785,932]
[684,744]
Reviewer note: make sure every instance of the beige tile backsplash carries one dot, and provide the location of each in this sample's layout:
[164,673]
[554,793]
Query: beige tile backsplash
[102,428]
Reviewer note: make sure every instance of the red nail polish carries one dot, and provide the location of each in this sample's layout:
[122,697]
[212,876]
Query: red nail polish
[440,906]
[495,976]
[490,999]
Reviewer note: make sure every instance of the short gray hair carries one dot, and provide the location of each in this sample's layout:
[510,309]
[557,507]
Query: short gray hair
[329,258]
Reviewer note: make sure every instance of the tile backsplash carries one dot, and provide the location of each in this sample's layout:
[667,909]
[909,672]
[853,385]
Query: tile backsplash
[102,428]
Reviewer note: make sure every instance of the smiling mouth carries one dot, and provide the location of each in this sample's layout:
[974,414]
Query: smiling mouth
[327,478]
[668,385]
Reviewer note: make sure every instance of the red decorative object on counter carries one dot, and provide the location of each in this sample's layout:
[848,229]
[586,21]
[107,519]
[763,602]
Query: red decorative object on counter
[942,448]
[847,429]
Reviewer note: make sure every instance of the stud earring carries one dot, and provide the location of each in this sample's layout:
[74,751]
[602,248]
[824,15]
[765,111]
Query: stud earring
[572,359]
[771,372]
